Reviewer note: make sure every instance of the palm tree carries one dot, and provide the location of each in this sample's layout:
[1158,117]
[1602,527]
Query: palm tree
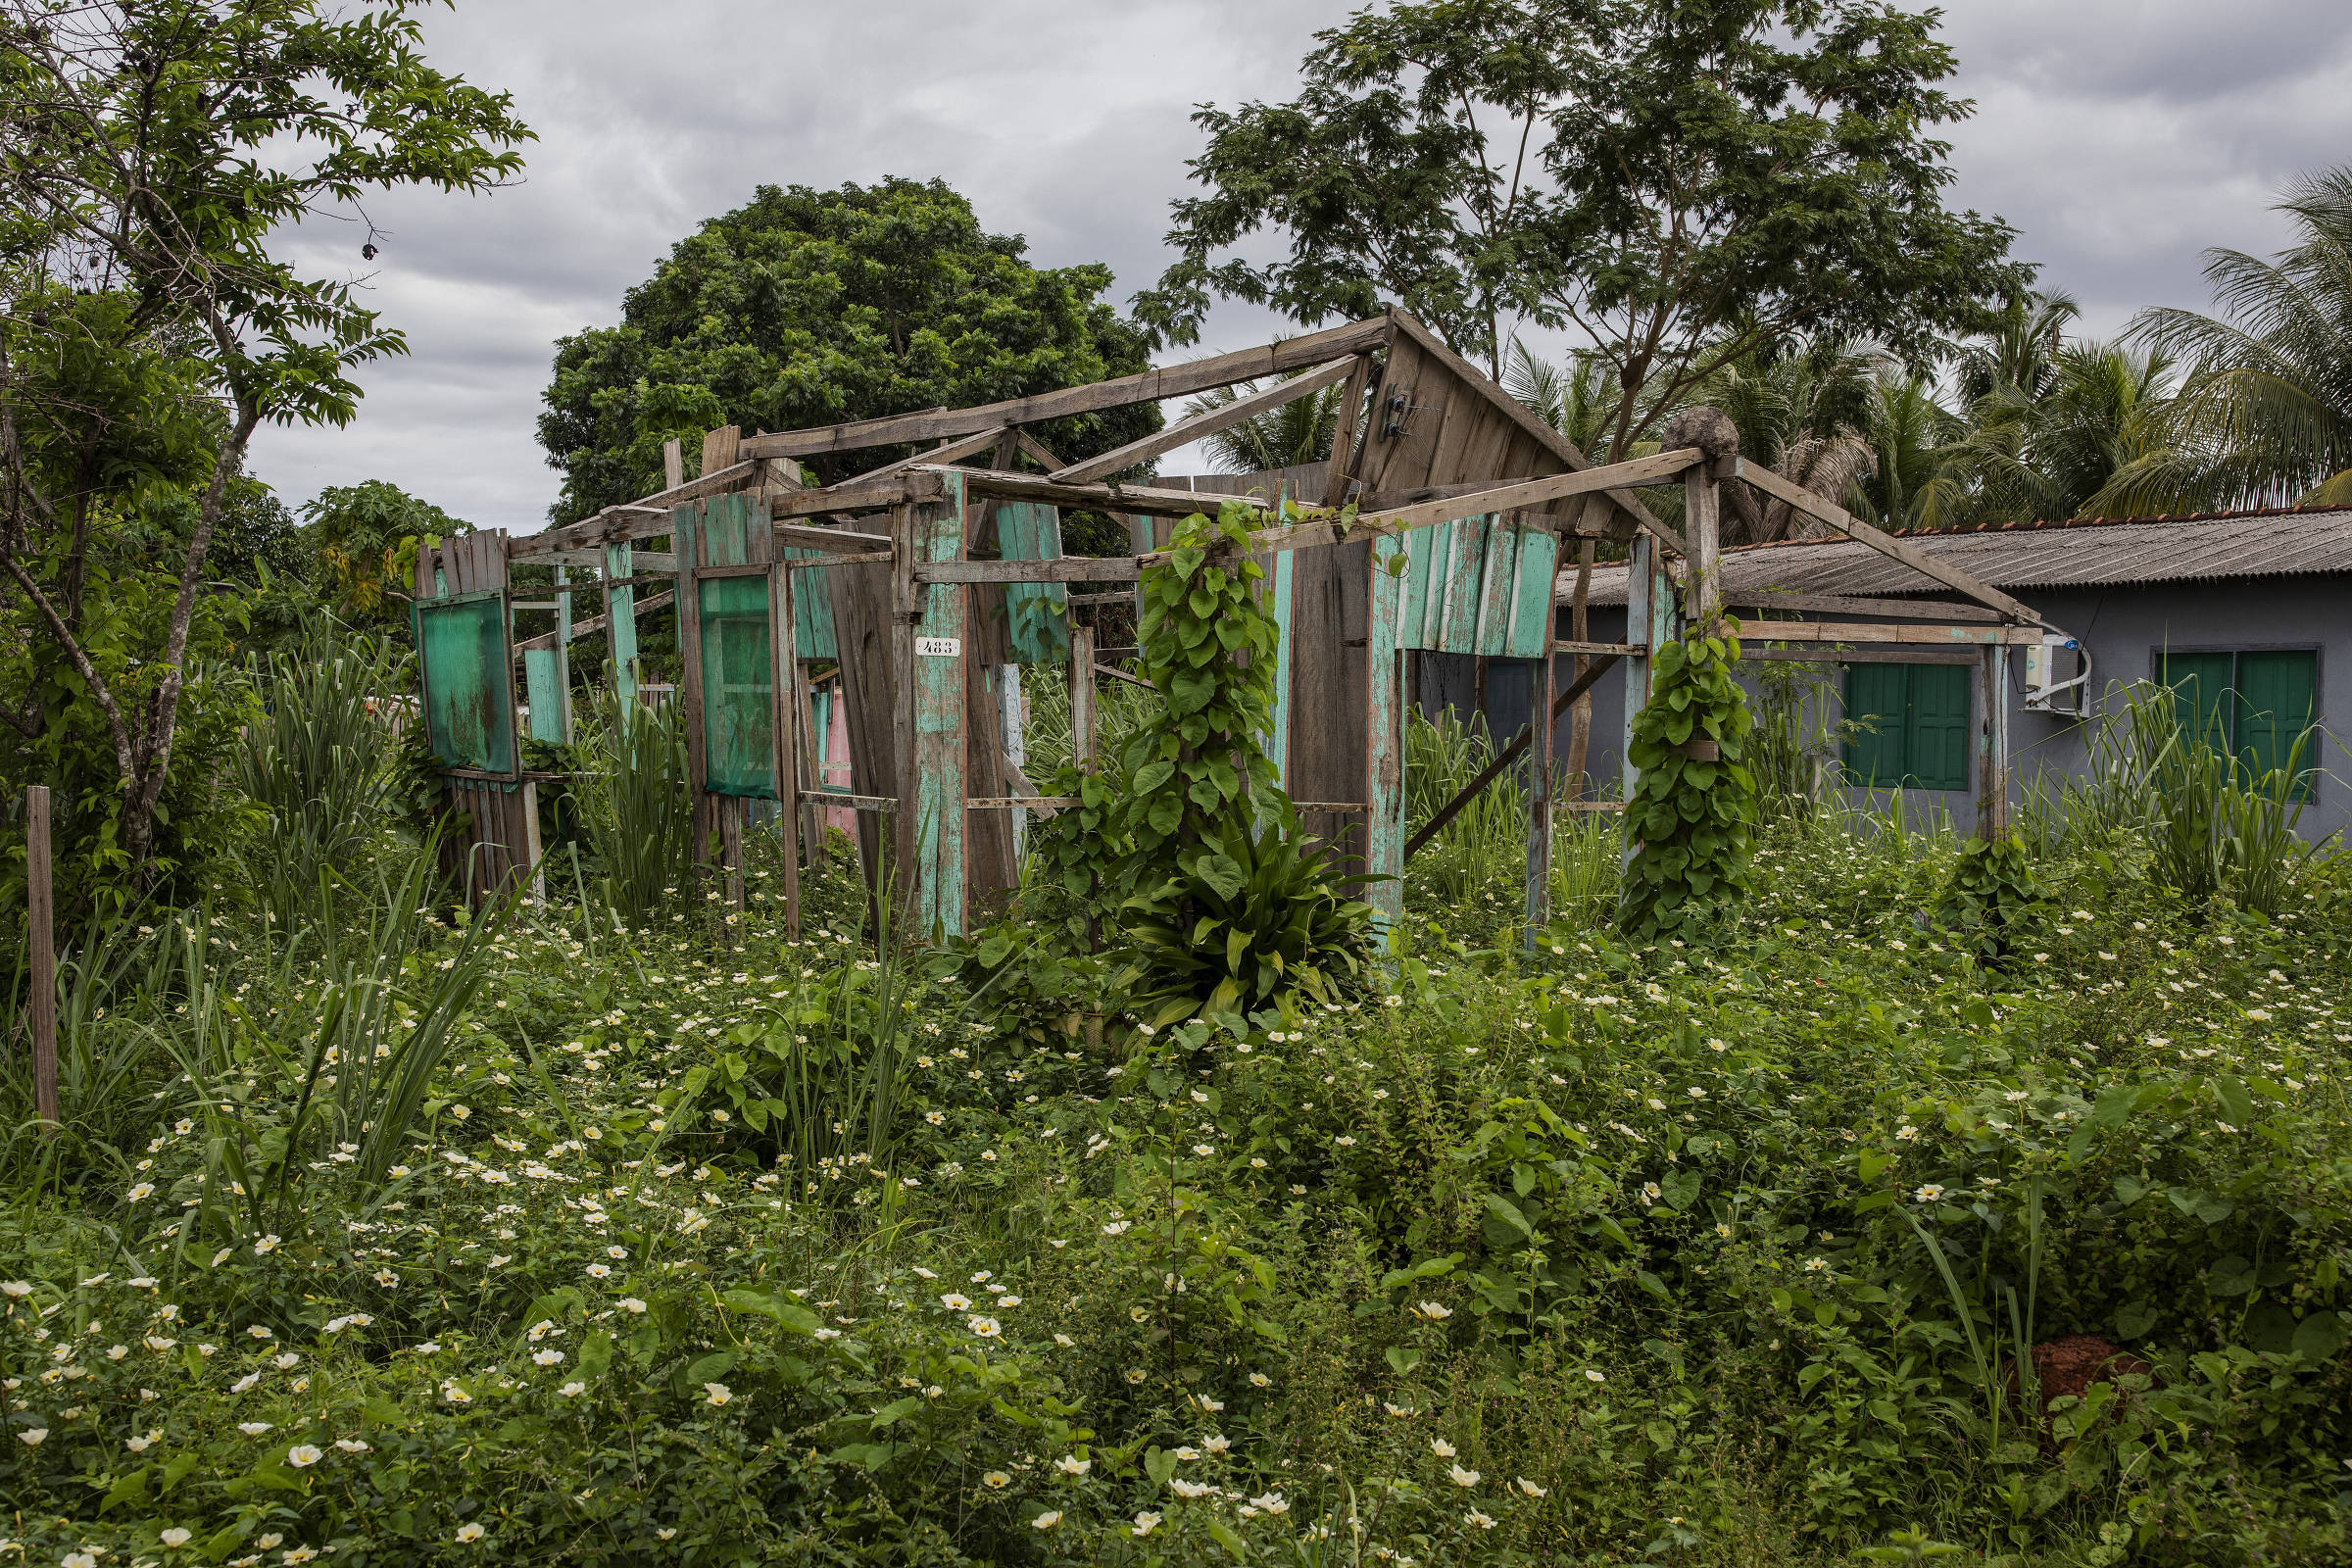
[1907,429]
[2092,435]
[1298,432]
[2268,396]
[1578,399]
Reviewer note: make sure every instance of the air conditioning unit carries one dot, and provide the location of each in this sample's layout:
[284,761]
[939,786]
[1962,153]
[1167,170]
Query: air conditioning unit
[2048,687]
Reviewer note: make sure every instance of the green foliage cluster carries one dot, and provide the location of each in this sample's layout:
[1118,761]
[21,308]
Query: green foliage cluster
[1693,815]
[1990,894]
[807,308]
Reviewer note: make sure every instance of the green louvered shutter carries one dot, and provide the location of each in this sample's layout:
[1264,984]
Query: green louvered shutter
[2277,698]
[2201,684]
[1874,696]
[1938,726]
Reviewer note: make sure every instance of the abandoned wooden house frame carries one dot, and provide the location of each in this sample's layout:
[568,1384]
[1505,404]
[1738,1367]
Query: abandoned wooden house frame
[1435,525]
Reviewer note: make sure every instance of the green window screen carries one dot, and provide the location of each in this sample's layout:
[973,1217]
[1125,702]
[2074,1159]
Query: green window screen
[739,689]
[2256,706]
[1912,725]
[468,681]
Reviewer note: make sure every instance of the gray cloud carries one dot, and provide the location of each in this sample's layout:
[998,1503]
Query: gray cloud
[2121,138]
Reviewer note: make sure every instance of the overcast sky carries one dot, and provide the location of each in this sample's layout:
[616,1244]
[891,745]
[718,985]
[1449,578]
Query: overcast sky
[2121,138]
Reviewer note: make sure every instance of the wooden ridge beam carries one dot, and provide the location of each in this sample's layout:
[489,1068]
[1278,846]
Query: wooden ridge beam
[1886,544]
[1207,422]
[1150,386]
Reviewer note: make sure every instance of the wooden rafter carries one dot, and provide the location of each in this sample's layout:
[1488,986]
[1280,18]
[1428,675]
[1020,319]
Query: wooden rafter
[1207,422]
[1150,386]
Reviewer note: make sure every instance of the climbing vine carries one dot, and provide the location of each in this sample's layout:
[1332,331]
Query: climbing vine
[1692,813]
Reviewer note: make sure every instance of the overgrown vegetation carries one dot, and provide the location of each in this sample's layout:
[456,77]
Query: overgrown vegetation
[621,1229]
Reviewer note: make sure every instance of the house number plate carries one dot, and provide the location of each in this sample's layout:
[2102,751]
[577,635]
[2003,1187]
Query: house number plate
[939,647]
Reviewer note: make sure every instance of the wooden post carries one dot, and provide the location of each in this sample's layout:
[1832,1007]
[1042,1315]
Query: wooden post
[1649,620]
[906,821]
[686,538]
[564,656]
[1702,530]
[526,846]
[934,699]
[1992,746]
[785,664]
[812,754]
[40,917]
[1539,798]
[1014,724]
[621,621]
[1384,749]
[673,463]
[1279,598]
[1082,696]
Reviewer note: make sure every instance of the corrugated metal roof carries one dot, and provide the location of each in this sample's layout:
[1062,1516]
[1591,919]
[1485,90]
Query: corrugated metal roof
[2097,553]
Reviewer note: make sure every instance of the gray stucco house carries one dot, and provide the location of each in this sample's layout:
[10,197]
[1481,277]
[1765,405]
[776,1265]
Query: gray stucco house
[2251,610]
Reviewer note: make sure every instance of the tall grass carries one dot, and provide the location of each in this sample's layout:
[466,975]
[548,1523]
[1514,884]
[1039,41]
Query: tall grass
[319,764]
[2210,823]
[1476,864]
[636,811]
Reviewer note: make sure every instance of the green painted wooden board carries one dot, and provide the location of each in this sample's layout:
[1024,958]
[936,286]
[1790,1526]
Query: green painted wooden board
[1038,612]
[738,676]
[1475,585]
[620,607]
[543,689]
[468,680]
[812,610]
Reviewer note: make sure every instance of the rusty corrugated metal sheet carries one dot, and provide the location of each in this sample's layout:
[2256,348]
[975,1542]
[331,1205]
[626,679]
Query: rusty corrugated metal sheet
[2099,554]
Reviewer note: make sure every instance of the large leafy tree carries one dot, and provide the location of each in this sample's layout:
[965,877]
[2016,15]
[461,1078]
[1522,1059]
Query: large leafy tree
[804,308]
[149,153]
[1676,182]
[2267,401]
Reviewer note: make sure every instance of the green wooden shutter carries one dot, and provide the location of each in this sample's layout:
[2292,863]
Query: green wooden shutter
[2201,684]
[1938,729]
[2277,700]
[1875,696]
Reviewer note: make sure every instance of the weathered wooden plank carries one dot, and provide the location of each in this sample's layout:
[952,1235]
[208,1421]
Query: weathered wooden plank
[1916,634]
[1541,725]
[637,519]
[673,463]
[1910,555]
[1208,422]
[1064,568]
[1992,746]
[1528,634]
[686,529]
[41,934]
[1497,588]
[1702,527]
[784,680]
[1150,386]
[1346,440]
[1384,730]
[810,538]
[1849,605]
[1277,592]
[939,708]
[1037,613]
[1878,655]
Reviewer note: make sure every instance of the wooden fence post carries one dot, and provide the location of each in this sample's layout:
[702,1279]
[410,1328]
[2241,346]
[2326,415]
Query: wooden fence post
[1539,793]
[40,915]
[1384,749]
[1992,746]
[784,733]
[1082,696]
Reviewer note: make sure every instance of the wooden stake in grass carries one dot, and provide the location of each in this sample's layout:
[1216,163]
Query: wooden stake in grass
[40,920]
